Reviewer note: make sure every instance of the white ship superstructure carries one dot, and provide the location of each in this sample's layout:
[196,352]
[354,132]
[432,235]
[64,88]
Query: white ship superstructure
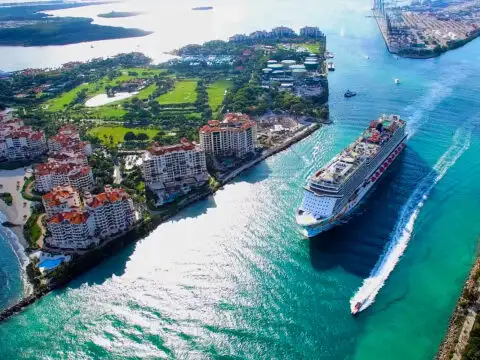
[337,188]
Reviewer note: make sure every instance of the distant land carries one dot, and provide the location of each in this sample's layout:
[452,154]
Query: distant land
[30,11]
[119,14]
[428,29]
[63,31]
[26,24]
[203,8]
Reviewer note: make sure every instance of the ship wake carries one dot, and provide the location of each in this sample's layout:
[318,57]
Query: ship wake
[404,227]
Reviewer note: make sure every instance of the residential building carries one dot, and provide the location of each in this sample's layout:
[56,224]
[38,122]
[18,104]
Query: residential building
[68,140]
[257,35]
[113,211]
[163,164]
[71,230]
[238,37]
[52,174]
[235,135]
[172,170]
[20,142]
[61,199]
[283,31]
[311,31]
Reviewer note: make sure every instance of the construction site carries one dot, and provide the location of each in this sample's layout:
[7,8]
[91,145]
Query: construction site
[427,29]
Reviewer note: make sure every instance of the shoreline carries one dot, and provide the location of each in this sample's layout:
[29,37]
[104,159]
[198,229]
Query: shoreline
[463,317]
[145,228]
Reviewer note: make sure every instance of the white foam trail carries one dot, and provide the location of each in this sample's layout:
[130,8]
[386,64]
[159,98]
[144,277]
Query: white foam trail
[427,103]
[404,227]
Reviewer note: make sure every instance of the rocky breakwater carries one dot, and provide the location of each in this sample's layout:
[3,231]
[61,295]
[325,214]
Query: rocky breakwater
[15,309]
[463,318]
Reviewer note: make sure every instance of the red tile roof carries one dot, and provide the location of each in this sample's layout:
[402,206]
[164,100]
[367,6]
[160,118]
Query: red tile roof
[157,149]
[110,195]
[231,122]
[54,197]
[73,217]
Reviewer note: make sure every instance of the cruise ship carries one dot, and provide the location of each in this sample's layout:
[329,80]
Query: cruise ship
[337,188]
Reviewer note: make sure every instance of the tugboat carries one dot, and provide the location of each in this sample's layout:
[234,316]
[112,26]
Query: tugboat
[349,94]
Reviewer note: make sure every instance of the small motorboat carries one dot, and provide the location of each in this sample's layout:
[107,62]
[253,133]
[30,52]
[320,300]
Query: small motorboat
[397,81]
[349,94]
[356,308]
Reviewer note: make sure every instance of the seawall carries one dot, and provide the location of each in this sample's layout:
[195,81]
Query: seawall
[272,151]
[463,317]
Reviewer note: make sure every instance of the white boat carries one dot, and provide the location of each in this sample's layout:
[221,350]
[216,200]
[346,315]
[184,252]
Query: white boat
[335,190]
[397,81]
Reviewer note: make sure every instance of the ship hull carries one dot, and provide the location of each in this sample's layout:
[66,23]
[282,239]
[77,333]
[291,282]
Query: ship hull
[312,230]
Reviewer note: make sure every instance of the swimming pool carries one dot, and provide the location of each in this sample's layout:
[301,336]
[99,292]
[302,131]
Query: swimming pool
[50,264]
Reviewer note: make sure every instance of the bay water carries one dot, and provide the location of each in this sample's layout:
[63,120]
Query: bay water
[232,275]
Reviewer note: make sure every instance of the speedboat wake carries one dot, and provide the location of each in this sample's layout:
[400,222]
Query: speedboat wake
[365,295]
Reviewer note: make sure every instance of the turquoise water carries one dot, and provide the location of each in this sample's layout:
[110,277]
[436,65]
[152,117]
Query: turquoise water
[231,276]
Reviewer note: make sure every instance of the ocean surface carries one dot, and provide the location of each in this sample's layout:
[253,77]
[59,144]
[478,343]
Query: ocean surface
[232,276]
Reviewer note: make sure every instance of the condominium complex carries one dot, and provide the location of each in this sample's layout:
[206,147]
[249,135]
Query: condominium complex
[50,175]
[67,141]
[170,170]
[73,225]
[236,136]
[162,164]
[112,211]
[283,31]
[311,31]
[67,163]
[20,142]
[71,230]
[61,199]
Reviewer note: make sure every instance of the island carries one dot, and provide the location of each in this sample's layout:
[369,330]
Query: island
[28,25]
[119,14]
[204,8]
[429,28]
[103,128]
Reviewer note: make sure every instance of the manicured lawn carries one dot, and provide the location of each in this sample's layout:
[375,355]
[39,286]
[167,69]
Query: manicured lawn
[145,93]
[118,132]
[216,93]
[141,71]
[59,103]
[183,92]
[313,48]
[112,111]
[98,87]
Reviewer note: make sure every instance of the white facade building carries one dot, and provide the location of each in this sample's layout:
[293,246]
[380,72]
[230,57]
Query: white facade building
[238,37]
[51,175]
[71,230]
[311,31]
[61,199]
[113,211]
[20,142]
[236,136]
[283,31]
[163,164]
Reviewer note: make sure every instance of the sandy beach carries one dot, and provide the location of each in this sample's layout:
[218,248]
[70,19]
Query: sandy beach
[20,210]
